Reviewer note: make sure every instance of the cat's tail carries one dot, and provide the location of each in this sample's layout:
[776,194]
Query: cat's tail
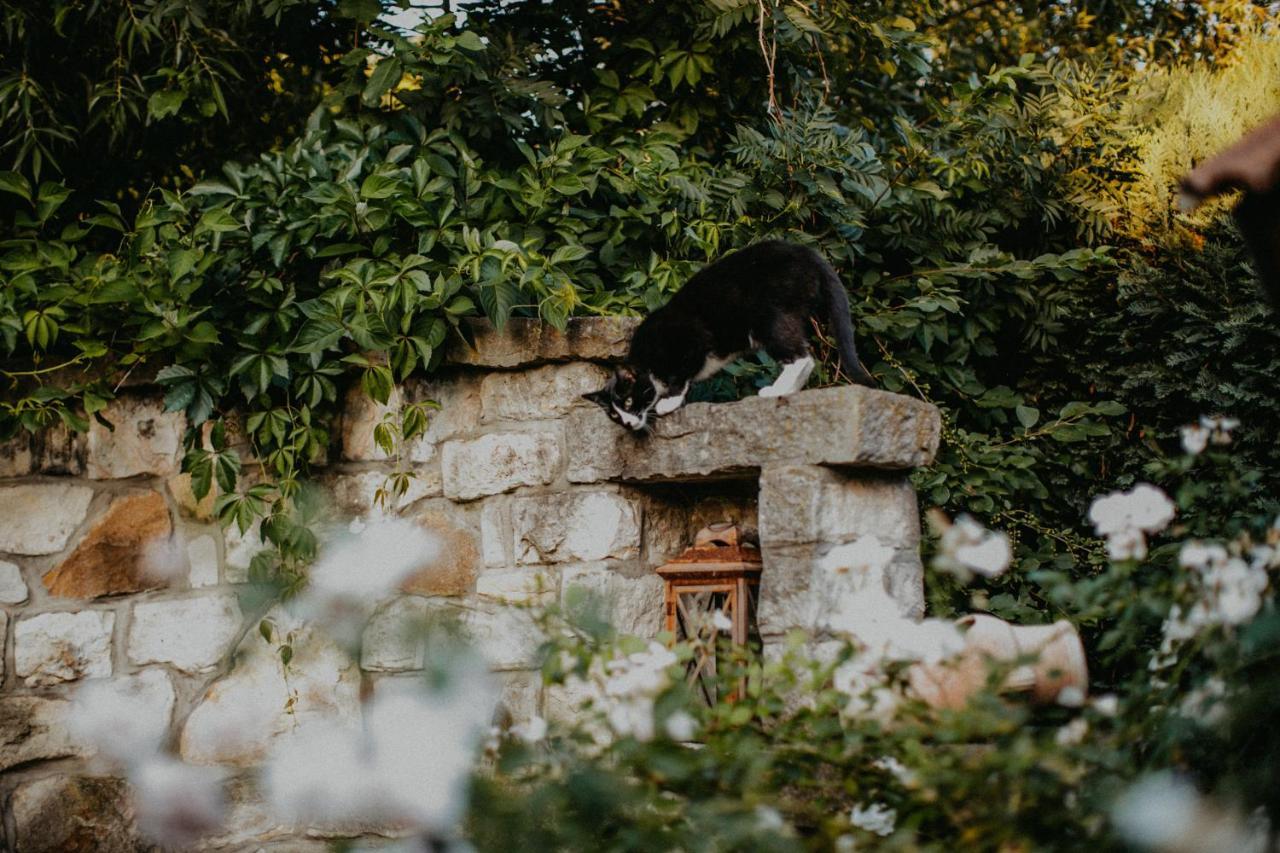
[838,315]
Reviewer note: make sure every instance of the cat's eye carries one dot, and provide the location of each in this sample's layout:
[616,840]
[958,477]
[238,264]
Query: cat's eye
[630,400]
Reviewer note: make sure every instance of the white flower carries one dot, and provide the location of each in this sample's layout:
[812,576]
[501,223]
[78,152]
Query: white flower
[1195,439]
[770,819]
[177,803]
[1200,555]
[966,547]
[896,769]
[629,686]
[681,726]
[1073,733]
[1158,811]
[117,718]
[531,731]
[1204,704]
[1125,517]
[877,818]
[864,684]
[1219,428]
[721,622]
[866,555]
[372,561]
[1108,704]
[1071,697]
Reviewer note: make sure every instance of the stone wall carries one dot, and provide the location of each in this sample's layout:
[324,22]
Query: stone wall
[530,490]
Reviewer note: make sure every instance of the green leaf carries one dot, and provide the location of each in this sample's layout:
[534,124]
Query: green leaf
[1027,416]
[165,102]
[12,182]
[386,74]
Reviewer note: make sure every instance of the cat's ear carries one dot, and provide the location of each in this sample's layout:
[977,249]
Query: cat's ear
[600,398]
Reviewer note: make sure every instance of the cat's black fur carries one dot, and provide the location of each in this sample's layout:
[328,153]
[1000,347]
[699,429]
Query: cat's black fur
[760,297]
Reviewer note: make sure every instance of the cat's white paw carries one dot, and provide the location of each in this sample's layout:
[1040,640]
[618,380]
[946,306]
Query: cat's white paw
[770,391]
[669,405]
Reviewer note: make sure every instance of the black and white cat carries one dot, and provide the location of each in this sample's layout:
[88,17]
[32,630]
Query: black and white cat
[760,297]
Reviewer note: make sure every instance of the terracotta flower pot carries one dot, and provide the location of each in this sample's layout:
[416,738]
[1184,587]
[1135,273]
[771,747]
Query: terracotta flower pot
[1053,653]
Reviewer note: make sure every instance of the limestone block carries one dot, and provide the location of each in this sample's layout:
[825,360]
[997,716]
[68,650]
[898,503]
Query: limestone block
[495,532]
[361,415]
[4,634]
[574,527]
[667,530]
[64,814]
[523,342]
[39,518]
[125,715]
[34,728]
[15,455]
[507,637]
[632,605]
[454,570]
[185,499]
[458,394]
[240,549]
[146,440]
[112,557]
[395,638]
[241,715]
[517,586]
[809,503]
[190,634]
[539,394]
[849,425]
[202,558]
[13,590]
[54,647]
[498,462]
[356,494]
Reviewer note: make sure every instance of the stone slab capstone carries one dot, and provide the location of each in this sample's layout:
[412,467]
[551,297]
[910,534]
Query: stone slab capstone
[845,426]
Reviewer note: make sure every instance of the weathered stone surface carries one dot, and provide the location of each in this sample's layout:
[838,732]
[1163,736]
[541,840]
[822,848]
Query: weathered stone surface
[809,503]
[495,532]
[454,570]
[516,586]
[361,415]
[111,558]
[239,550]
[35,728]
[632,605]
[146,440]
[54,647]
[58,450]
[458,394]
[521,697]
[849,425]
[202,509]
[573,527]
[667,530]
[76,814]
[4,634]
[202,560]
[191,634]
[39,518]
[242,713]
[498,462]
[13,590]
[507,637]
[539,394]
[15,456]
[394,640]
[793,587]
[357,494]
[524,342]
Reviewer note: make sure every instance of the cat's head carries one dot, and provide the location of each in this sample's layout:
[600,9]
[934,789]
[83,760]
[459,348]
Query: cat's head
[627,398]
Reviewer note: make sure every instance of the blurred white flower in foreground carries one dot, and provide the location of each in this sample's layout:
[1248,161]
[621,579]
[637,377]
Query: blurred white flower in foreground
[681,726]
[1231,593]
[1164,812]
[1125,518]
[360,568]
[533,730]
[177,803]
[410,765]
[967,548]
[877,818]
[1196,437]
[858,606]
[721,622]
[631,685]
